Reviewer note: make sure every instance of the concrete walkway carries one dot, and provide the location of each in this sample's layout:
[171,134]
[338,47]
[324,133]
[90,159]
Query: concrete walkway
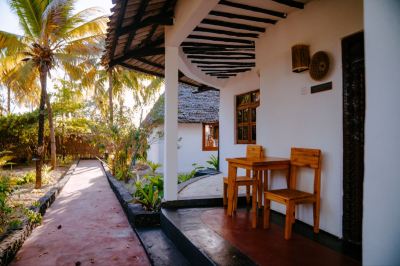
[210,186]
[85,226]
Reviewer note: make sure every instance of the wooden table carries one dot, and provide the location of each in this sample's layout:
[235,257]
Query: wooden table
[259,167]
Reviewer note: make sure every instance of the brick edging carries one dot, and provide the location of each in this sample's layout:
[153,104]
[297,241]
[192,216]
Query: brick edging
[10,245]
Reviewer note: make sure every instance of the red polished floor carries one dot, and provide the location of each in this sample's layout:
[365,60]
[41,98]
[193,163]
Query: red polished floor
[85,226]
[268,247]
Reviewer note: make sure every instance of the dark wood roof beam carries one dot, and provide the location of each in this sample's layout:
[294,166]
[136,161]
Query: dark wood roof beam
[214,45]
[207,67]
[119,24]
[223,63]
[291,3]
[141,70]
[204,50]
[218,53]
[150,63]
[138,17]
[163,19]
[141,52]
[220,57]
[253,8]
[237,16]
[219,39]
[165,7]
[226,70]
[232,25]
[225,32]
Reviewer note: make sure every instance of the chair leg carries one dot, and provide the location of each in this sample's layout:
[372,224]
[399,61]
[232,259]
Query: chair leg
[267,204]
[288,220]
[225,195]
[254,207]
[247,194]
[235,198]
[294,215]
[316,206]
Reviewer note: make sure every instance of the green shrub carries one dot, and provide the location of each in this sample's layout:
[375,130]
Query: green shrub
[33,217]
[186,176]
[15,224]
[214,162]
[65,160]
[148,196]
[29,177]
[5,209]
[154,166]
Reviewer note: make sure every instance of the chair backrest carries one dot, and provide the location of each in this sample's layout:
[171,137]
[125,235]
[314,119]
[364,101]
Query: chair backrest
[308,158]
[254,151]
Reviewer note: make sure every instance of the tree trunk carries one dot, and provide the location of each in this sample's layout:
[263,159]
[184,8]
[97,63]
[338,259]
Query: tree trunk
[40,147]
[53,150]
[8,100]
[110,96]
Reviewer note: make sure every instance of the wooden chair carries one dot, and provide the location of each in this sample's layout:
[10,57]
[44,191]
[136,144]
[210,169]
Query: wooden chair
[252,151]
[309,158]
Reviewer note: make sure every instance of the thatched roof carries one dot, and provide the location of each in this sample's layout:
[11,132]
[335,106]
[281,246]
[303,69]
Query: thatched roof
[192,107]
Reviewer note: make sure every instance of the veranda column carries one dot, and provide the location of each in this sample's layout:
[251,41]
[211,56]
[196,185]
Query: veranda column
[171,124]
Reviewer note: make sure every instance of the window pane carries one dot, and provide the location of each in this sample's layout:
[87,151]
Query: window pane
[245,115]
[255,96]
[240,116]
[253,133]
[253,115]
[240,133]
[245,133]
[211,136]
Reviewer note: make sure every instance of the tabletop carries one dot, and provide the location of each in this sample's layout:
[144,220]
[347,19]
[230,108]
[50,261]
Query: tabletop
[258,162]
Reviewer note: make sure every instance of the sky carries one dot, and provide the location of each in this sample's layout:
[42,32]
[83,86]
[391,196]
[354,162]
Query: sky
[9,23]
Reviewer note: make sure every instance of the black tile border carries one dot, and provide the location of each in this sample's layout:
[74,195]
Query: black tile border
[10,245]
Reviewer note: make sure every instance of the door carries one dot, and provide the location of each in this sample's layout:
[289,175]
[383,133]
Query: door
[353,136]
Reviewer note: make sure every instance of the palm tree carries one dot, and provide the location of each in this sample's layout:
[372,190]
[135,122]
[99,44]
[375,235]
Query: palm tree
[53,37]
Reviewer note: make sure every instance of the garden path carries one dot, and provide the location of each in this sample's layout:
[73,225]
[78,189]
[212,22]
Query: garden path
[85,226]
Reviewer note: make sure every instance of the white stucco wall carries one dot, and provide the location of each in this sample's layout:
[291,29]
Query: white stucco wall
[381,231]
[190,148]
[286,118]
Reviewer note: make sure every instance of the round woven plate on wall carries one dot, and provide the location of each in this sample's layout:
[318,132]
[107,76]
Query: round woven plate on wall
[319,65]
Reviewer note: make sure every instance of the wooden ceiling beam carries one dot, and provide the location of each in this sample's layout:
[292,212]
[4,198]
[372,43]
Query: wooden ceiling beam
[129,66]
[150,63]
[219,39]
[225,32]
[206,67]
[237,16]
[223,63]
[214,45]
[163,19]
[218,53]
[253,8]
[216,49]
[132,28]
[119,24]
[291,3]
[226,70]
[149,50]
[220,57]
[232,25]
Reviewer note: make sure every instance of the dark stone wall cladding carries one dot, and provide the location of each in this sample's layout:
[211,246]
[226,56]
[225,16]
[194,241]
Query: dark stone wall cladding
[10,245]
[137,216]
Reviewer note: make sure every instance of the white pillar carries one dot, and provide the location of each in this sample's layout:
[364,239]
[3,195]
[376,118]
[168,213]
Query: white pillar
[171,124]
[381,220]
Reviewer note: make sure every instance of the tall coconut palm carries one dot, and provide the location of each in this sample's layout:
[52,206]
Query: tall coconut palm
[53,37]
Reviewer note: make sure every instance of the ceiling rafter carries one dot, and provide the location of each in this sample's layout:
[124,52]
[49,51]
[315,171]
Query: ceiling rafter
[225,32]
[253,8]
[244,17]
[291,3]
[134,26]
[215,45]
[119,24]
[220,57]
[232,25]
[223,63]
[220,39]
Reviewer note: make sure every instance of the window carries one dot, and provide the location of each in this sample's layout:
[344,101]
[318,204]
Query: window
[246,105]
[210,136]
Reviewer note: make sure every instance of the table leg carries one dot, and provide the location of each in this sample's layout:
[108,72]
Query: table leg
[231,188]
[260,187]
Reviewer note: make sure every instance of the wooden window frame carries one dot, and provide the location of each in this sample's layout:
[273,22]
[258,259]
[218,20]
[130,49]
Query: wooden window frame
[249,124]
[208,148]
